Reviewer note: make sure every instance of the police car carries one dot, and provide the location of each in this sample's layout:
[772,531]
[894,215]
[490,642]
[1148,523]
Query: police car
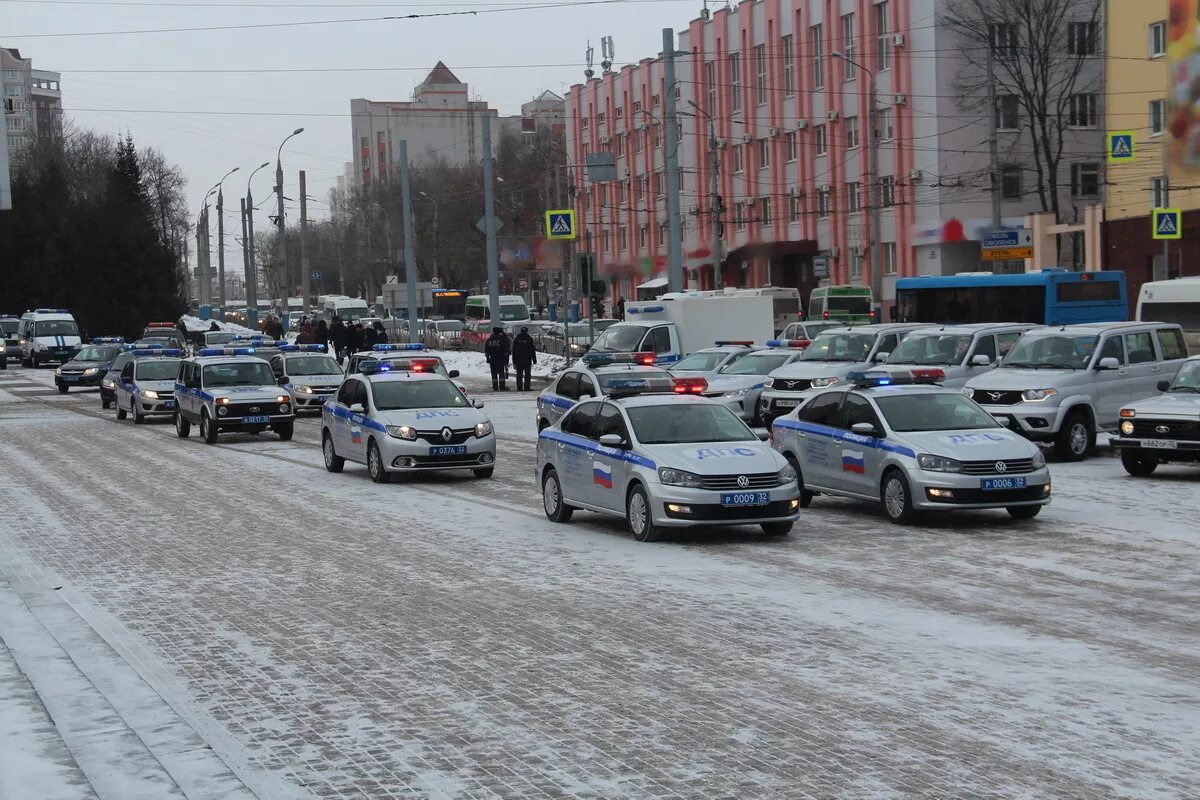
[108,381]
[308,373]
[592,376]
[739,384]
[413,357]
[166,335]
[9,339]
[663,460]
[146,385]
[264,346]
[1165,428]
[88,366]
[903,441]
[708,362]
[230,389]
[398,421]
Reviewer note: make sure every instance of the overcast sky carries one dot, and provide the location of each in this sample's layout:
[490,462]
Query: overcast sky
[109,82]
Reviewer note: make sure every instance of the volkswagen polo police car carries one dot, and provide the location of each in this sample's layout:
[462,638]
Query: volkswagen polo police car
[398,421]
[706,363]
[739,384]
[146,385]
[663,460]
[911,445]
[308,373]
[1164,428]
[230,389]
[592,376]
[89,365]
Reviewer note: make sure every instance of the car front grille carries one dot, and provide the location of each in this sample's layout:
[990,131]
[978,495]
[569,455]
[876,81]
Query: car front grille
[270,408]
[1012,466]
[792,384]
[456,436]
[999,497]
[761,480]
[990,397]
[1172,429]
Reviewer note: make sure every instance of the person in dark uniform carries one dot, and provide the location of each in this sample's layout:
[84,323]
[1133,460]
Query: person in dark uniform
[524,356]
[496,350]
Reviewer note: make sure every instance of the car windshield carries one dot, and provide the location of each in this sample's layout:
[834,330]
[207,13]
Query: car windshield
[687,424]
[849,304]
[926,411]
[312,365]
[394,395]
[756,364]
[97,353]
[157,370]
[514,312]
[242,373]
[353,314]
[619,339]
[700,362]
[218,338]
[56,327]
[120,361]
[939,348]
[9,325]
[1188,378]
[449,325]
[840,347]
[1059,351]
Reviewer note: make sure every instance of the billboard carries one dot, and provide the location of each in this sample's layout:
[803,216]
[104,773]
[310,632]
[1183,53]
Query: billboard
[1183,61]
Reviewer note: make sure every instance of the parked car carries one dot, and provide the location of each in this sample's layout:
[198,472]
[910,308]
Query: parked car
[444,334]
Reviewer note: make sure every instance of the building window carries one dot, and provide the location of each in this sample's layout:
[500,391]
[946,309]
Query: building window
[623,238]
[605,240]
[789,145]
[1158,39]
[658,184]
[848,46]
[657,136]
[1003,36]
[739,215]
[735,80]
[764,210]
[662,234]
[853,197]
[885,118]
[764,153]
[819,139]
[619,144]
[1158,117]
[1081,38]
[654,100]
[619,113]
[818,56]
[1008,117]
[852,137]
[889,258]
[583,123]
[760,69]
[795,203]
[1083,111]
[636,136]
[1158,192]
[644,187]
[856,266]
[789,67]
[881,36]
[1010,182]
[620,193]
[887,191]
[824,200]
[710,73]
[738,163]
[643,235]
[637,107]
[1085,180]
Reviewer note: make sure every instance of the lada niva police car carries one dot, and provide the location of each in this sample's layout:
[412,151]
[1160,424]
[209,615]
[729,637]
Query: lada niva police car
[739,384]
[146,385]
[230,389]
[592,376]
[308,373]
[911,445]
[401,422]
[88,366]
[1165,428]
[663,460]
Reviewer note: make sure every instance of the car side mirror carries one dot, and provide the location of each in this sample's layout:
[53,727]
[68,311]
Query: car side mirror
[1108,363]
[762,433]
[612,440]
[881,357]
[477,403]
[282,379]
[357,408]
[453,373]
[981,361]
[865,429]
[1164,386]
[583,397]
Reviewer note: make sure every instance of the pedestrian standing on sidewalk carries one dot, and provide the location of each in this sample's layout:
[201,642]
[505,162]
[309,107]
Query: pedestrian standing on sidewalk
[337,335]
[524,356]
[496,350]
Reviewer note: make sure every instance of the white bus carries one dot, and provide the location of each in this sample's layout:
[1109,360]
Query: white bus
[512,308]
[1176,301]
[348,309]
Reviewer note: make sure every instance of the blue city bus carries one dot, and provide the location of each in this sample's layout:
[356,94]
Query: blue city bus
[1050,297]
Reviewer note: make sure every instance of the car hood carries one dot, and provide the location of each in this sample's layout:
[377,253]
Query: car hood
[80,366]
[986,444]
[433,418]
[332,379]
[708,374]
[1019,379]
[245,394]
[1176,404]
[56,341]
[732,383]
[157,386]
[818,369]
[717,458]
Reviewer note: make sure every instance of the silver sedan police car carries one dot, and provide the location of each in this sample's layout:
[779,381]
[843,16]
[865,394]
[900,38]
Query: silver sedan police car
[592,376]
[399,422]
[663,460]
[308,373]
[708,362]
[146,385]
[739,384]
[882,437]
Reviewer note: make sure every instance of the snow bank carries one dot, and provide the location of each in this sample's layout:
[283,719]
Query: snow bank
[471,364]
[197,325]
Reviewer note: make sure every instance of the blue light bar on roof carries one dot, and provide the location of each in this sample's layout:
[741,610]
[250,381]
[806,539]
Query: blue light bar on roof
[108,340]
[165,353]
[227,351]
[387,348]
[730,344]
[302,348]
[916,377]
[645,309]
[51,311]
[374,367]
[602,359]
[794,343]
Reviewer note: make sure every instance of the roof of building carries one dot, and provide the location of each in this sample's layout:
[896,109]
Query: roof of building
[442,75]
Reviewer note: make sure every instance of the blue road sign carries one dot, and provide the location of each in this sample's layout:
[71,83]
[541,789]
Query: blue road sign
[1019,238]
[1167,223]
[316,276]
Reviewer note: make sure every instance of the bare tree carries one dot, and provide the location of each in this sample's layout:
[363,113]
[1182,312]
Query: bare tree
[165,184]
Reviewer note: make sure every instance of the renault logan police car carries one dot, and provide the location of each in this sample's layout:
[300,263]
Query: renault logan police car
[881,436]
[592,376]
[663,460]
[227,389]
[146,385]
[399,422]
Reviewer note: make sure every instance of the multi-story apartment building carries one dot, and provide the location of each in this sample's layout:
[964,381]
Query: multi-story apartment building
[32,103]
[786,85]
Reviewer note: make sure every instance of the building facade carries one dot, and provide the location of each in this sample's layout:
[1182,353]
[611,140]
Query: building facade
[32,103]
[790,121]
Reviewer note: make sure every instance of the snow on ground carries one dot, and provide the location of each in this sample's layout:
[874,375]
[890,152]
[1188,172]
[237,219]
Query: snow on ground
[197,325]
[472,364]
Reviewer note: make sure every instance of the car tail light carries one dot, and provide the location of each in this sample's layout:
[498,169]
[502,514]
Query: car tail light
[690,385]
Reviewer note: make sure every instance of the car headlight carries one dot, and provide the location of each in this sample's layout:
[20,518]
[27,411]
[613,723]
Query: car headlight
[1039,460]
[402,432]
[768,382]
[150,394]
[91,370]
[483,429]
[1127,428]
[932,463]
[222,411]
[736,394]
[678,477]
[968,392]
[107,384]
[303,389]
[1037,395]
[787,474]
[821,383]
[58,370]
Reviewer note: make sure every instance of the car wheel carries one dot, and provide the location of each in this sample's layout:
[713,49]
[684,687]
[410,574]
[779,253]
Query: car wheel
[35,362]
[806,496]
[285,430]
[552,499]
[1023,512]
[121,414]
[105,403]
[777,528]
[208,431]
[484,472]
[333,462]
[1075,438]
[375,463]
[641,520]
[183,428]
[543,423]
[897,498]
[1137,464]
[62,388]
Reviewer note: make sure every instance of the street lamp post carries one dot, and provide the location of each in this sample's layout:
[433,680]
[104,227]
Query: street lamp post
[435,232]
[205,258]
[283,270]
[251,267]
[221,238]
[714,195]
[873,177]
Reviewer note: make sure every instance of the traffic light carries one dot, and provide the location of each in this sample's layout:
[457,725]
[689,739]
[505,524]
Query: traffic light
[587,267]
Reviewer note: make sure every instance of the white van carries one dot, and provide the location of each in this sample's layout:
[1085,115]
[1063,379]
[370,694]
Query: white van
[512,308]
[48,334]
[1175,301]
[347,309]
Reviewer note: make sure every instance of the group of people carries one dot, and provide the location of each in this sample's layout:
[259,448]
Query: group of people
[342,338]
[499,348]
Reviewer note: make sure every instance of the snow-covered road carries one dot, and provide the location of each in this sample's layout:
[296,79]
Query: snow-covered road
[440,638]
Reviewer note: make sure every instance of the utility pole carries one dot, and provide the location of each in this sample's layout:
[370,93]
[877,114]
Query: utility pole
[245,256]
[282,279]
[251,266]
[307,280]
[995,144]
[564,256]
[714,201]
[200,259]
[410,258]
[671,165]
[221,248]
[489,204]
[876,202]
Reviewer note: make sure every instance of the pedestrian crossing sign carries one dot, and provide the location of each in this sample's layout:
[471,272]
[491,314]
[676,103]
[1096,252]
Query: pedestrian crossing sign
[1168,223]
[560,224]
[1120,147]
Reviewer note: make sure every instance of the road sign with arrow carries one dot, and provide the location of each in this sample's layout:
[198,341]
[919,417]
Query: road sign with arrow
[1008,245]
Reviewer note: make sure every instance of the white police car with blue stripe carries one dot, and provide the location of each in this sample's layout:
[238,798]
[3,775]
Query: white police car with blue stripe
[227,389]
[663,460]
[308,373]
[739,384]
[590,378]
[146,385]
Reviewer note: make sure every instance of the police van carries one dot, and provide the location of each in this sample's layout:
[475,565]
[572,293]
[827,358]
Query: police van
[230,389]
[47,334]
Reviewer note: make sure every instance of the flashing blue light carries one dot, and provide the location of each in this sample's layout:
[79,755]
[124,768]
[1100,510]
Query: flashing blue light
[601,359]
[227,351]
[374,367]
[108,340]
[387,348]
[302,348]
[733,343]
[167,353]
[776,343]
[646,309]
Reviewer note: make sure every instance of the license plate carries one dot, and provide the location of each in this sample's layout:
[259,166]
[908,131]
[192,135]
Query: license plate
[69,378]
[449,450]
[787,403]
[1160,444]
[993,484]
[746,499]
[168,404]
[256,420]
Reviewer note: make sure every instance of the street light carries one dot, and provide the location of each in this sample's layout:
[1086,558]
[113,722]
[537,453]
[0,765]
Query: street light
[248,244]
[873,177]
[282,230]
[435,229]
[221,238]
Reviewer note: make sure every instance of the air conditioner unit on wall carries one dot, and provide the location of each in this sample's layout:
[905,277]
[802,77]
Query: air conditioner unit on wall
[898,39]
[833,116]
[834,252]
[773,132]
[746,137]
[901,99]
[801,124]
[858,250]
[604,140]
[722,144]
[915,175]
